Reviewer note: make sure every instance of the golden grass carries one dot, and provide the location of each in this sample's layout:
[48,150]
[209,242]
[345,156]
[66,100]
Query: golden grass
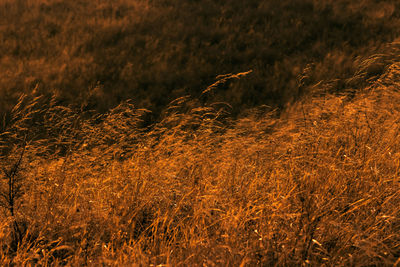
[317,186]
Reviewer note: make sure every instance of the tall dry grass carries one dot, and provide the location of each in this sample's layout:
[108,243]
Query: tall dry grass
[318,185]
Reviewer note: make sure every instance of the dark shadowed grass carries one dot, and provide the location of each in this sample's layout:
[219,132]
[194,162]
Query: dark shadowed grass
[99,53]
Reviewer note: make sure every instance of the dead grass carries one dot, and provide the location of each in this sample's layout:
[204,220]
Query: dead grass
[317,186]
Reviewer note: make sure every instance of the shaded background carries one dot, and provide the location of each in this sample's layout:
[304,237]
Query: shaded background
[95,54]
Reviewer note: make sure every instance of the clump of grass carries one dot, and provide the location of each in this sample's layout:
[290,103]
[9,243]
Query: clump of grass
[11,191]
[316,185]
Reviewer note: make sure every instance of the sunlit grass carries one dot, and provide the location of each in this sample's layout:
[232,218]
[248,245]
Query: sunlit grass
[210,179]
[319,185]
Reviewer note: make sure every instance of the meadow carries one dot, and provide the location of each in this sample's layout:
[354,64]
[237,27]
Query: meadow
[100,53]
[317,186]
[288,158]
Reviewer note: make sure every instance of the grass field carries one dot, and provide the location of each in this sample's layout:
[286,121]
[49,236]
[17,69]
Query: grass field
[317,186]
[310,178]
[99,53]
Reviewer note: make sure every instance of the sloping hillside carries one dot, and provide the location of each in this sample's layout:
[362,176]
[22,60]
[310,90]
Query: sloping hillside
[98,53]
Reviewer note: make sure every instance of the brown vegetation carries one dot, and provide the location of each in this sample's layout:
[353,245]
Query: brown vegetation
[100,53]
[319,185]
[311,177]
